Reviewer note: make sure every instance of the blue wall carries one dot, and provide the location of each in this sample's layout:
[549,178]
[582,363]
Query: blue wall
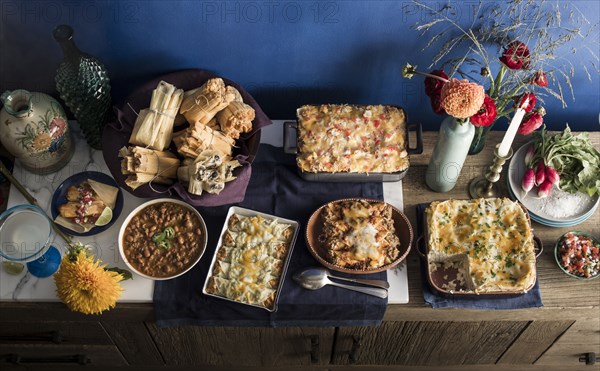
[286,53]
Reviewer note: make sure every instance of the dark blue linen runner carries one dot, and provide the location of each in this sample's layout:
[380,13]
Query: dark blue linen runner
[274,188]
[531,299]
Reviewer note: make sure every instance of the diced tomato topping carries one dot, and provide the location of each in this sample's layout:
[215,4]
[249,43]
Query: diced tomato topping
[376,123]
[579,255]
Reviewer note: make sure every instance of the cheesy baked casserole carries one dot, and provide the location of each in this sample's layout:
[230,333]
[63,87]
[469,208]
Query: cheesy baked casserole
[345,138]
[359,234]
[489,241]
[250,261]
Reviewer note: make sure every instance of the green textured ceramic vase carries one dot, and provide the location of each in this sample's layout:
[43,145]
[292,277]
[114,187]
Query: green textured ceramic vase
[84,86]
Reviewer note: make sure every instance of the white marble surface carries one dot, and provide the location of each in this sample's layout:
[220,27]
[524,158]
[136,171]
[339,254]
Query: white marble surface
[25,287]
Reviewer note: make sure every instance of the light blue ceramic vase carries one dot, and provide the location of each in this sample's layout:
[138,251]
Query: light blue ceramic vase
[449,154]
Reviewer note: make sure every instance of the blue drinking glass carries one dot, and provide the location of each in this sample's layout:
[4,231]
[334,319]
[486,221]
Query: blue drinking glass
[25,235]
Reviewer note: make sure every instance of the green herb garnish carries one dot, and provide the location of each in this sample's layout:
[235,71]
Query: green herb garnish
[169,232]
[164,244]
[162,239]
[158,237]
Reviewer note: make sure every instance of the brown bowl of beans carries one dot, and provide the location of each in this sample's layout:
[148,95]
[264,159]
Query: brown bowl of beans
[162,239]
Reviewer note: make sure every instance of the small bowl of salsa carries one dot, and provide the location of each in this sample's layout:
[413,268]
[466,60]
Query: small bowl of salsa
[578,255]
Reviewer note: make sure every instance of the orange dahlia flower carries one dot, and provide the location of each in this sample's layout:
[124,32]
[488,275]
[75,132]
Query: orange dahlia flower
[461,98]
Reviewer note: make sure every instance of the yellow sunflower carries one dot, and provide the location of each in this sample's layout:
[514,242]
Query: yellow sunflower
[84,286]
[41,142]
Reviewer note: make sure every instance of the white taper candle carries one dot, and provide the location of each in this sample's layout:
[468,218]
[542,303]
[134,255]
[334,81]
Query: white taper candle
[511,132]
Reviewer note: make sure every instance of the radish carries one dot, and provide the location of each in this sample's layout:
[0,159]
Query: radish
[529,155]
[540,173]
[544,189]
[552,175]
[528,180]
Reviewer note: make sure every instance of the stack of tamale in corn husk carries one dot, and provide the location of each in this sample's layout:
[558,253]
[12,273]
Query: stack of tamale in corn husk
[217,115]
[154,125]
[197,138]
[208,172]
[145,165]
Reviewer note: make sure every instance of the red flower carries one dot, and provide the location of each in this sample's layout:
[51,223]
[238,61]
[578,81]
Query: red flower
[57,127]
[434,86]
[540,79]
[516,56]
[486,114]
[531,99]
[531,122]
[436,104]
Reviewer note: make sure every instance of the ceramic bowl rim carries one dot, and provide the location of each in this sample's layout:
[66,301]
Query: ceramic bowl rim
[556,247]
[152,202]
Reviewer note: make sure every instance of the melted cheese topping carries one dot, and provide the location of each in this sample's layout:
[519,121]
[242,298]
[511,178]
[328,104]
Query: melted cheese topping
[249,265]
[494,235]
[364,242]
[360,234]
[344,138]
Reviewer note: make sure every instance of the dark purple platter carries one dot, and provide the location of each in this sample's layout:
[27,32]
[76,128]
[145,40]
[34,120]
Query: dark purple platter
[116,135]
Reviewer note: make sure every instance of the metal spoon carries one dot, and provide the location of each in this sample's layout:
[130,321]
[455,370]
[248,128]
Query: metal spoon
[317,283]
[317,272]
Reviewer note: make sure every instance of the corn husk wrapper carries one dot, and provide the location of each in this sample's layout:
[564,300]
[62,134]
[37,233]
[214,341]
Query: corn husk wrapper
[144,165]
[202,104]
[237,97]
[236,118]
[154,126]
[214,124]
[198,138]
[136,180]
[208,172]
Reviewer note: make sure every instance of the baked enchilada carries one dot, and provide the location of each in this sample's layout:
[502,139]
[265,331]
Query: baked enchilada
[348,138]
[359,234]
[249,262]
[489,241]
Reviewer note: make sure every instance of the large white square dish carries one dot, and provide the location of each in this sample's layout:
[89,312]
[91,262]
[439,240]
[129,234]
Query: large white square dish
[250,213]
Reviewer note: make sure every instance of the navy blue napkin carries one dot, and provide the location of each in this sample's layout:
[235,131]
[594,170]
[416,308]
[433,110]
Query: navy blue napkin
[274,188]
[531,299]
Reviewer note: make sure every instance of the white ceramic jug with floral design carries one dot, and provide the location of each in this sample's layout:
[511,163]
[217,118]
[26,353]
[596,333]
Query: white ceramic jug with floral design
[34,129]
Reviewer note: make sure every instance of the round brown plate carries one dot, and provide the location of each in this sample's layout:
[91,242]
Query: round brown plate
[315,227]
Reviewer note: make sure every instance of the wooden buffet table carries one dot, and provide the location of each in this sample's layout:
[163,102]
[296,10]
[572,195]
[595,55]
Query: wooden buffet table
[413,336]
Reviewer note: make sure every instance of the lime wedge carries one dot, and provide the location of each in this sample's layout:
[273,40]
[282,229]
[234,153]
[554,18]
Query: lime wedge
[13,267]
[105,217]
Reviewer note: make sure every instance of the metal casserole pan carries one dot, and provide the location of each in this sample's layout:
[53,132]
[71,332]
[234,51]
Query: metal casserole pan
[439,277]
[247,212]
[348,176]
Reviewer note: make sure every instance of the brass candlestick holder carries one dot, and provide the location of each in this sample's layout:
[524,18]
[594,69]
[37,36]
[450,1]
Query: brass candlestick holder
[485,186]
